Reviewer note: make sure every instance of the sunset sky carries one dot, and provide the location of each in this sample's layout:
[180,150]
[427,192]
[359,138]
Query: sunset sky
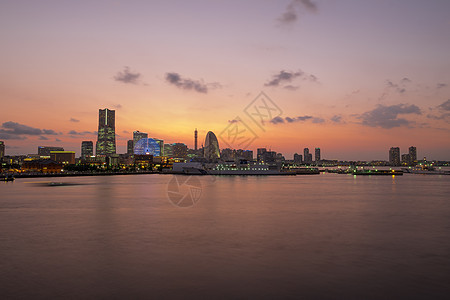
[351,77]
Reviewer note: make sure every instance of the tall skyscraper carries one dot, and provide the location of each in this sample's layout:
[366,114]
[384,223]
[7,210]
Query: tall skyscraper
[394,156]
[413,154]
[195,138]
[317,154]
[307,157]
[137,136]
[106,141]
[87,149]
[2,150]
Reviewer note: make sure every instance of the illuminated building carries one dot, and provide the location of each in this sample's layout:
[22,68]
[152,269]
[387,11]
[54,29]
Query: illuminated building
[179,150]
[2,150]
[42,165]
[106,141]
[143,161]
[413,154]
[394,156]
[211,150]
[161,146]
[45,151]
[317,154]
[87,149]
[130,147]
[168,151]
[137,136]
[64,157]
[147,146]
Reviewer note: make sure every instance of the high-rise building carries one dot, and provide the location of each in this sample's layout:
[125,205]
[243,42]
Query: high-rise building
[168,150]
[298,159]
[137,136]
[413,154]
[87,149]
[2,150]
[394,156]
[45,150]
[211,150]
[317,154]
[195,139]
[106,141]
[307,157]
[260,153]
[130,147]
[161,146]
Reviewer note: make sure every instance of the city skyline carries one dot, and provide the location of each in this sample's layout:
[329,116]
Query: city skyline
[353,79]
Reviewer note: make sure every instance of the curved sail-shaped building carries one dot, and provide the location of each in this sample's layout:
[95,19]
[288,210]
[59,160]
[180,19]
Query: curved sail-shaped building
[211,150]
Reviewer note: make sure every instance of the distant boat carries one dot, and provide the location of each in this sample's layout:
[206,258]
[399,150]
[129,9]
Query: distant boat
[425,169]
[246,169]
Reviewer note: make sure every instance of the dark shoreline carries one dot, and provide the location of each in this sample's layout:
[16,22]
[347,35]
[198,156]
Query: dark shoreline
[21,175]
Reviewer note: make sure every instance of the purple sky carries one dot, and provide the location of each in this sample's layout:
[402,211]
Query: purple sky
[351,77]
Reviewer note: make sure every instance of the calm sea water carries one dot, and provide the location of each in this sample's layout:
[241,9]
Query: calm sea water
[327,236]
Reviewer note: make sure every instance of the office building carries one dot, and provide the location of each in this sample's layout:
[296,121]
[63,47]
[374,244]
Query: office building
[307,157]
[87,149]
[45,150]
[260,153]
[211,150]
[179,150]
[106,141]
[130,147]
[413,154]
[317,154]
[137,136]
[161,146]
[2,150]
[64,157]
[298,158]
[168,150]
[394,156]
[406,159]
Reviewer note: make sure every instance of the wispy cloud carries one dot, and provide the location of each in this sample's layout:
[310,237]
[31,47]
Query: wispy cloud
[280,120]
[74,132]
[388,116]
[336,119]
[16,131]
[291,13]
[443,112]
[190,84]
[127,76]
[284,77]
[74,120]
